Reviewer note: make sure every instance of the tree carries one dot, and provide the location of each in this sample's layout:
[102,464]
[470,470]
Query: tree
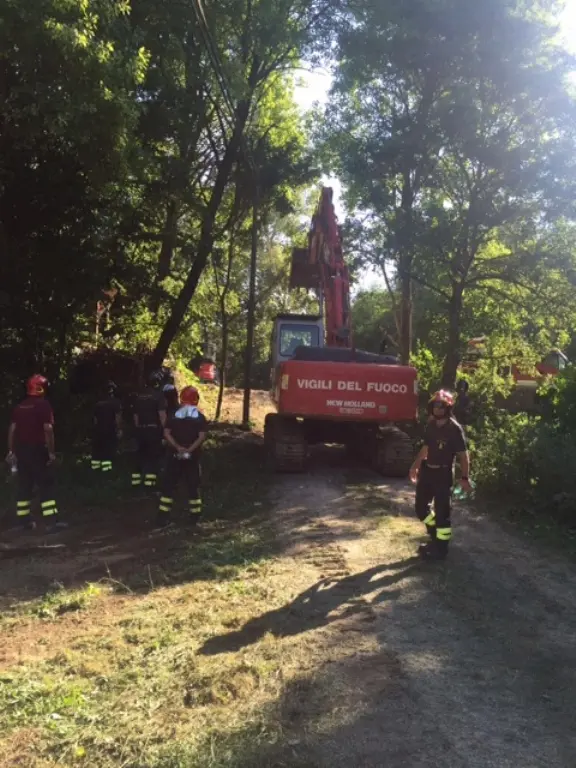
[67,119]
[506,172]
[372,317]
[401,107]
[253,41]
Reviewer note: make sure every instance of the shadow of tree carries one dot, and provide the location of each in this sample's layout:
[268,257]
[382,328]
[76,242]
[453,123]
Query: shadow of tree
[313,607]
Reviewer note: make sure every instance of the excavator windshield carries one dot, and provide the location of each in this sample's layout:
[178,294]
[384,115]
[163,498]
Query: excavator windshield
[294,335]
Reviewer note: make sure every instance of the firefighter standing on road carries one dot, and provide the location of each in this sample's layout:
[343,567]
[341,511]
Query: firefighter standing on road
[432,471]
[106,429]
[185,432]
[149,420]
[31,446]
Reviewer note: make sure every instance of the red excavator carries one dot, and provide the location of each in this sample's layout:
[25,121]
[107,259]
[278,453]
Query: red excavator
[325,390]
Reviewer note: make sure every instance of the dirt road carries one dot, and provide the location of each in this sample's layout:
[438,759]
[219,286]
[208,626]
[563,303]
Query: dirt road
[306,636]
[467,663]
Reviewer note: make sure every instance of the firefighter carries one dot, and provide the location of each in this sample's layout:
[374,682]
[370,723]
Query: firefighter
[185,432]
[432,471]
[149,420]
[170,394]
[462,407]
[107,429]
[31,448]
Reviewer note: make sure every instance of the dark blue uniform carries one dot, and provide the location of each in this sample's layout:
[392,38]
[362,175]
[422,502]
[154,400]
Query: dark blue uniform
[147,408]
[436,478]
[184,427]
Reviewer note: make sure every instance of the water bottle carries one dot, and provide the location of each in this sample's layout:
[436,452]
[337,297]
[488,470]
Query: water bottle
[13,465]
[461,495]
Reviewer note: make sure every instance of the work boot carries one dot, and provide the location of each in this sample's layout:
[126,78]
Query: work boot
[56,527]
[162,521]
[431,551]
[26,524]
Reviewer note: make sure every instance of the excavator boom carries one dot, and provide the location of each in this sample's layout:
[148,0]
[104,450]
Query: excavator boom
[321,267]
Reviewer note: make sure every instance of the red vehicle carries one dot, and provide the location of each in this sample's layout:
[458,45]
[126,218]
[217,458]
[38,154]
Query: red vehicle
[551,365]
[524,396]
[324,389]
[207,373]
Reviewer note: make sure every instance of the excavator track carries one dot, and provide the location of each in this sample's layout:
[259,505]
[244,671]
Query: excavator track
[285,444]
[394,453]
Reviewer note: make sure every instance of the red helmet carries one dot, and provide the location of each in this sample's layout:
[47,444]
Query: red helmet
[442,396]
[37,385]
[189,396]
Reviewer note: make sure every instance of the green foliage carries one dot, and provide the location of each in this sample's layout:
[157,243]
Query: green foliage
[562,401]
[129,157]
[503,453]
[452,135]
[429,368]
[372,317]
[67,123]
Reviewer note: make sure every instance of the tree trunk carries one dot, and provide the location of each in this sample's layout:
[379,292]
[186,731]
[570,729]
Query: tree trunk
[406,315]
[452,358]
[166,252]
[224,319]
[223,365]
[405,269]
[206,242]
[251,312]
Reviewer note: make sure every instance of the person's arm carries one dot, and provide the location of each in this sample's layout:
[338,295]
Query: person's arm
[464,459]
[461,451]
[162,410]
[49,437]
[197,443]
[48,420]
[170,440]
[118,415]
[415,468]
[11,433]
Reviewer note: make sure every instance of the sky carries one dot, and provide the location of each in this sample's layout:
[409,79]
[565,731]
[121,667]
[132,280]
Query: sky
[315,86]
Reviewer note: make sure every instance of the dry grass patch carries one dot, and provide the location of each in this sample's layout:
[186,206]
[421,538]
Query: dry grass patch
[141,694]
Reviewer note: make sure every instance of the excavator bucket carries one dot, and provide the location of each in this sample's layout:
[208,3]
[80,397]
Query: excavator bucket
[303,274]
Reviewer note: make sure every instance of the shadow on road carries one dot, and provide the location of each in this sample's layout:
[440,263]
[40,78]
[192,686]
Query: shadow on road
[314,607]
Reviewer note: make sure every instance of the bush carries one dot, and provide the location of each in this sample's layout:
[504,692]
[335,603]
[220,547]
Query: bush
[531,458]
[502,449]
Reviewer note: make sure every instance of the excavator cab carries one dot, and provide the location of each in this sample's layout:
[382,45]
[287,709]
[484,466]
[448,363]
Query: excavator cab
[293,331]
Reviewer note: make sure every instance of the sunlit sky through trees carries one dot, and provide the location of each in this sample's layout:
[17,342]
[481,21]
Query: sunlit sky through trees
[315,85]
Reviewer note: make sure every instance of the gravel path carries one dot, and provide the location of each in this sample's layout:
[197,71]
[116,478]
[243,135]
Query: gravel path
[468,663]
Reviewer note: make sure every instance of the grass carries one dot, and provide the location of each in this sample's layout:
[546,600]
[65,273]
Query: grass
[109,673]
[534,521]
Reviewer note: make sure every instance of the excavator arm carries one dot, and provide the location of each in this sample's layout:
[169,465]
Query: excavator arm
[321,267]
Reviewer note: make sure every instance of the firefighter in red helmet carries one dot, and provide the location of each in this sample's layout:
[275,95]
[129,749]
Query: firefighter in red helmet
[31,447]
[185,432]
[432,471]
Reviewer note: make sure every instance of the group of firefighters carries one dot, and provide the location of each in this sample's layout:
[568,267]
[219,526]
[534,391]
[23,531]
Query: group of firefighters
[160,418]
